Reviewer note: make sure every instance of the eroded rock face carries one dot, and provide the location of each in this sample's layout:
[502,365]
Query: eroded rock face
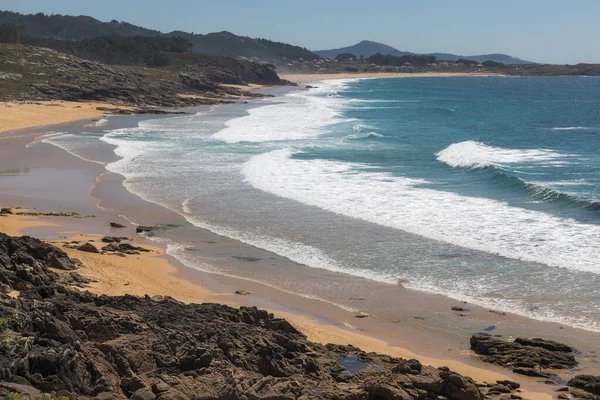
[71,342]
[524,354]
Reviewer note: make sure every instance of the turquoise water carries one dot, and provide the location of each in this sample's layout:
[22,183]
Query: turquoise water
[485,189]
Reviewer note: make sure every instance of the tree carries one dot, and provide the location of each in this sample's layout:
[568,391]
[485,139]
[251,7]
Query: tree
[345,56]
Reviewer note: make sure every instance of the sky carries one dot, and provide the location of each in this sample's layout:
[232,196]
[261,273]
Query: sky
[548,31]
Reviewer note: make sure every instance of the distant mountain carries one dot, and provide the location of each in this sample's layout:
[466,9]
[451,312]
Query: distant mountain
[367,48]
[66,27]
[503,58]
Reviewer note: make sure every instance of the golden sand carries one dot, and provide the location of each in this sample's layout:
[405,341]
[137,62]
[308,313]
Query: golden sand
[20,115]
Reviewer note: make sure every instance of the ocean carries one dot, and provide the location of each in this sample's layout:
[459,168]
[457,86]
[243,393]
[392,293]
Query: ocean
[483,189]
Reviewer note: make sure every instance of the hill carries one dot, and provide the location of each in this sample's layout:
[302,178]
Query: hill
[501,58]
[65,27]
[231,45]
[368,48]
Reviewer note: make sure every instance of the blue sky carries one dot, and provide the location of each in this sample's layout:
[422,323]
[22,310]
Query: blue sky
[544,31]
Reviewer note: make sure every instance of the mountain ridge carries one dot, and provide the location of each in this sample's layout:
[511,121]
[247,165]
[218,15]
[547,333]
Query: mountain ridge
[367,48]
[66,27]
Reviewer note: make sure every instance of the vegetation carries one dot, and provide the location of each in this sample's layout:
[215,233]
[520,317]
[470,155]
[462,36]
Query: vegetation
[68,27]
[466,62]
[493,64]
[4,323]
[346,56]
[114,49]
[80,28]
[413,59]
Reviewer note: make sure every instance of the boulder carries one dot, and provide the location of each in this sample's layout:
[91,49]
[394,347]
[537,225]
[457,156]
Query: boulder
[88,247]
[523,353]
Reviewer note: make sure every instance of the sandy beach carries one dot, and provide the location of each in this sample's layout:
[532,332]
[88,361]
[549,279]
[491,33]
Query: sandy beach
[156,273]
[28,115]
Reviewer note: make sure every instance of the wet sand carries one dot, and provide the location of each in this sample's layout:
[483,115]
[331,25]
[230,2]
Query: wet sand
[438,336]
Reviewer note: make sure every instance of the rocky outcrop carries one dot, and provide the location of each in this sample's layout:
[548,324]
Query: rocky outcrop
[74,343]
[50,75]
[525,356]
[589,384]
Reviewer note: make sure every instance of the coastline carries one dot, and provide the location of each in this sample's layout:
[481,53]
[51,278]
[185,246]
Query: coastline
[165,269]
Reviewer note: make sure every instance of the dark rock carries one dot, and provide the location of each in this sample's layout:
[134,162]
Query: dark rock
[243,292]
[511,384]
[499,388]
[531,372]
[144,229]
[545,344]
[114,239]
[460,309]
[5,211]
[523,353]
[88,247]
[124,248]
[588,383]
[116,225]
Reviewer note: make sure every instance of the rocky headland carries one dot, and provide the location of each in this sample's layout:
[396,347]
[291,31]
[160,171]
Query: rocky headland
[37,74]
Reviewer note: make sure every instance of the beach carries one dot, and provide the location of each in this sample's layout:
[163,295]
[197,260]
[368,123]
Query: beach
[157,273]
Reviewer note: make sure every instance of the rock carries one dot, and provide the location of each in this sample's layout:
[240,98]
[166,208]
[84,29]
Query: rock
[243,292]
[116,225]
[124,248]
[545,344]
[588,383]
[511,384]
[460,309]
[25,390]
[86,346]
[144,229]
[5,211]
[113,239]
[531,372]
[143,394]
[500,388]
[523,353]
[88,247]
[361,315]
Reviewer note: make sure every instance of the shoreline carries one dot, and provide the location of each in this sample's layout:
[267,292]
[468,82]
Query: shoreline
[322,330]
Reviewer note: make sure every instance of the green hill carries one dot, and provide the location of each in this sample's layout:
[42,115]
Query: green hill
[65,27]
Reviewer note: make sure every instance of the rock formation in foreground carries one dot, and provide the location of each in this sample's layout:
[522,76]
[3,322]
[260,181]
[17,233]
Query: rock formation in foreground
[57,339]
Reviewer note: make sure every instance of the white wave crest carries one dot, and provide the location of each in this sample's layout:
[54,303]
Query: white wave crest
[302,115]
[472,154]
[402,203]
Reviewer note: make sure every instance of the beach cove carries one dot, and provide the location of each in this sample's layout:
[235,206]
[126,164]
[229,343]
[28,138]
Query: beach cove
[438,336]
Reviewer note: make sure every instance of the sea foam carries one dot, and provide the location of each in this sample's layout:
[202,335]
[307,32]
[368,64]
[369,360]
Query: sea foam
[302,115]
[406,204]
[472,154]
